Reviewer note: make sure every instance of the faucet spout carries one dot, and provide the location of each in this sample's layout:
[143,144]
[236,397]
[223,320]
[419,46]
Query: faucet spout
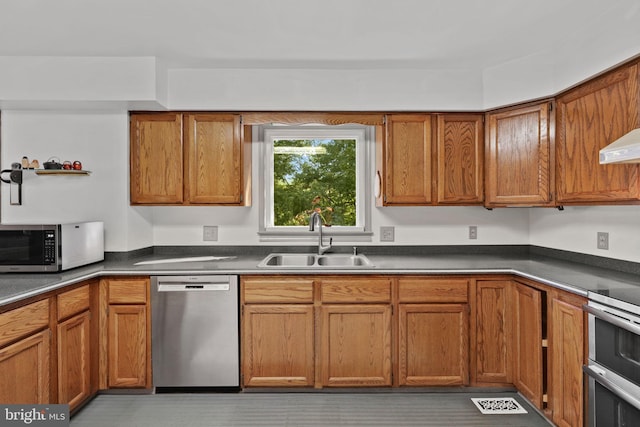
[313,219]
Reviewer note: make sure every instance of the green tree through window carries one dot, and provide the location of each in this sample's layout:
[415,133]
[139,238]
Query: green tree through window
[314,174]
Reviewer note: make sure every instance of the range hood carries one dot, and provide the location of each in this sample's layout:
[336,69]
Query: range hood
[625,149]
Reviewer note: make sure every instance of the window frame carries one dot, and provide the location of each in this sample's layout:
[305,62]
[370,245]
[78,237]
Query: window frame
[365,139]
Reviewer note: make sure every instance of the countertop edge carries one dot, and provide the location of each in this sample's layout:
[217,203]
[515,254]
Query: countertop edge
[122,272]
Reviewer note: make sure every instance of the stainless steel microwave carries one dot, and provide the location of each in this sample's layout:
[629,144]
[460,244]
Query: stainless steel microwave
[50,248]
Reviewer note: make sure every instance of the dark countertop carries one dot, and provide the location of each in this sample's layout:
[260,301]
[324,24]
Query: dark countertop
[578,277]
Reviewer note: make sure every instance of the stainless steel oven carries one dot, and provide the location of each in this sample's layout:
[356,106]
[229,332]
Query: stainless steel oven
[614,363]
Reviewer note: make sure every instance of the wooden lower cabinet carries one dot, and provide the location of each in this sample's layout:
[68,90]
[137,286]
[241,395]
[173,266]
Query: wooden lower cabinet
[492,331]
[25,352]
[127,345]
[278,331]
[528,372]
[278,343]
[356,345]
[24,368]
[433,344]
[74,365]
[568,353]
[433,331]
[125,348]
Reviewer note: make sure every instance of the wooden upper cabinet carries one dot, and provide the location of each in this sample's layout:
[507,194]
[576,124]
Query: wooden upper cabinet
[211,166]
[590,117]
[213,152]
[407,160]
[459,160]
[156,158]
[519,157]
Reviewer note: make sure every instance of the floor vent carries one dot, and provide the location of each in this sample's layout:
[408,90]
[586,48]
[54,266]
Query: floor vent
[500,405]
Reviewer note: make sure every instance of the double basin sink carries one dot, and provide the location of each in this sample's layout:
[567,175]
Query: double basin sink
[311,261]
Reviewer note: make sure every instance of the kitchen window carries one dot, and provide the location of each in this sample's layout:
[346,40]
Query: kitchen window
[315,168]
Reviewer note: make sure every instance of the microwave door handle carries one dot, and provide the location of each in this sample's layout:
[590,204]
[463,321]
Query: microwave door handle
[599,375]
[614,320]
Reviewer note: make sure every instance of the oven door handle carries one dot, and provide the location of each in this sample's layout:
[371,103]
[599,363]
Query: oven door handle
[600,376]
[614,320]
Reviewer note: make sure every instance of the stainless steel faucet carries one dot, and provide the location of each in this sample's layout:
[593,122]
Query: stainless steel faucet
[313,219]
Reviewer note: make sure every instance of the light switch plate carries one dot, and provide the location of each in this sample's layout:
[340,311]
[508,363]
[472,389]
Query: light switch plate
[387,234]
[210,233]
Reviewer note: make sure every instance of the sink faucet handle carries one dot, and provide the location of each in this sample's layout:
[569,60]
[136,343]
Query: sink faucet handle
[355,250]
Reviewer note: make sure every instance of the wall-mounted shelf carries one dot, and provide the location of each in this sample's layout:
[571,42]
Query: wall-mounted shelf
[61,172]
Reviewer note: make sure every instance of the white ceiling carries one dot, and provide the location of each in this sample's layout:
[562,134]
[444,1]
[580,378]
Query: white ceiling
[435,34]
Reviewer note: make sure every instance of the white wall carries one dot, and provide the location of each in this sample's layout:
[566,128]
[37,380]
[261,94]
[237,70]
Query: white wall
[100,142]
[575,229]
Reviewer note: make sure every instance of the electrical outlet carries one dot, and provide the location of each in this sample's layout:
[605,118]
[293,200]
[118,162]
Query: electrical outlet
[473,232]
[210,233]
[387,234]
[603,240]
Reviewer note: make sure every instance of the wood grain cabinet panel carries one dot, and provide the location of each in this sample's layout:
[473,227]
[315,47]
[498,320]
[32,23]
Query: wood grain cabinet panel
[356,345]
[355,290]
[519,157]
[459,161]
[591,117]
[127,346]
[156,159]
[214,159]
[528,373]
[74,364]
[567,348]
[433,344]
[265,290]
[73,302]
[23,321]
[25,375]
[278,345]
[493,332]
[407,160]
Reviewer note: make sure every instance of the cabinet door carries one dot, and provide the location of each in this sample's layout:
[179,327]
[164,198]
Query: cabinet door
[433,348]
[25,370]
[408,160]
[519,170]
[460,147]
[356,345]
[493,332]
[567,357]
[278,345]
[156,173]
[127,338]
[213,158]
[74,368]
[589,118]
[528,343]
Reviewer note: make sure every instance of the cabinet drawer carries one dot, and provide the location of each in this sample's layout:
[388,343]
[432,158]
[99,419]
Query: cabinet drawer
[72,302]
[420,289]
[277,290]
[356,290]
[131,291]
[23,321]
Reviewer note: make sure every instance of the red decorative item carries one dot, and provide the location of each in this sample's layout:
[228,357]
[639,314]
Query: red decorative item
[77,165]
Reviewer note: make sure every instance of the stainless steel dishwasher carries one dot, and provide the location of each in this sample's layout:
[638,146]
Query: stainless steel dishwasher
[195,337]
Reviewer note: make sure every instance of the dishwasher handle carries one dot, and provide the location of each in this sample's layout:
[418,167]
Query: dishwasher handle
[198,287]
